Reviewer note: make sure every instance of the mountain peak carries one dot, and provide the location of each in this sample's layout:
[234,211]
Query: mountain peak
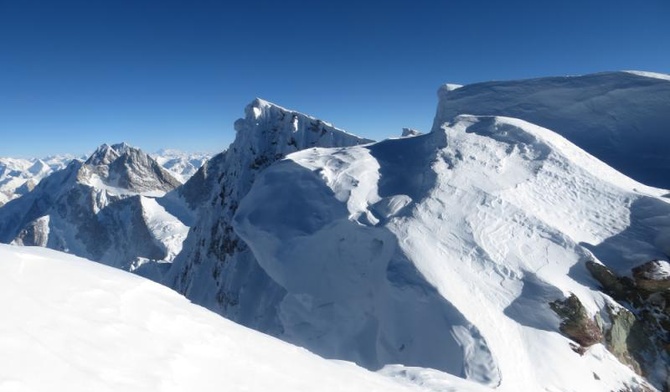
[126,168]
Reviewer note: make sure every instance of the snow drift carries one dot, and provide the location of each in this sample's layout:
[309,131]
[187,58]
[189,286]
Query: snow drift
[619,117]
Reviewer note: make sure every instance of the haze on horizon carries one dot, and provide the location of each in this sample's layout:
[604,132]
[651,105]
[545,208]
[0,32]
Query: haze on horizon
[175,74]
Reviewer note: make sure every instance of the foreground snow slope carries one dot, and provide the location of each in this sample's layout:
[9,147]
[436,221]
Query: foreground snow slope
[445,250]
[73,325]
[621,118]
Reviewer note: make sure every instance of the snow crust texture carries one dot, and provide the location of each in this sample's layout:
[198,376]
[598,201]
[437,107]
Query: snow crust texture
[619,117]
[445,250]
[74,325]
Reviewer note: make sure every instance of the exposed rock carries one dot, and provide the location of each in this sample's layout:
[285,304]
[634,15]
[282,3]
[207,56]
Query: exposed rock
[639,332]
[617,288]
[576,324]
[410,132]
[625,338]
[653,276]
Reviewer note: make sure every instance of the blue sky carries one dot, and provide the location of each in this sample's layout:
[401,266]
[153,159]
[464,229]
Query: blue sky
[75,74]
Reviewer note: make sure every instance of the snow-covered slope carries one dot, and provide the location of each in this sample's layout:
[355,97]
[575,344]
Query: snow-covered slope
[73,325]
[19,176]
[101,209]
[460,250]
[621,118]
[181,165]
[216,269]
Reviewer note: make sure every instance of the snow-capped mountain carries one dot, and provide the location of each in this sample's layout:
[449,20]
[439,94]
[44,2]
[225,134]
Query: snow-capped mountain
[181,165]
[216,269]
[19,176]
[489,254]
[74,325]
[619,117]
[489,249]
[103,209]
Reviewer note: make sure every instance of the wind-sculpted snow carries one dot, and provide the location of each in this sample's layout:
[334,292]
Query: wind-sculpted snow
[73,325]
[620,117]
[445,251]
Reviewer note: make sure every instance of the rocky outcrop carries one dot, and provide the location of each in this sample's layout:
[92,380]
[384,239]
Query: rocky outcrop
[653,276]
[576,323]
[639,330]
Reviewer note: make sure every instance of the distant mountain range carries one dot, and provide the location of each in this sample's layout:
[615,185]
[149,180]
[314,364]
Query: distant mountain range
[523,244]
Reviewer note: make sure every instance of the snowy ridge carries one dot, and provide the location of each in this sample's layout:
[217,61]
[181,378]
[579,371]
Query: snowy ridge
[619,117]
[99,329]
[181,165]
[216,269]
[20,176]
[488,220]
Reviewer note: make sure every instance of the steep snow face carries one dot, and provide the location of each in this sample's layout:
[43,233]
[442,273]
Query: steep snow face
[621,117]
[99,210]
[216,269]
[445,250]
[19,176]
[74,325]
[180,164]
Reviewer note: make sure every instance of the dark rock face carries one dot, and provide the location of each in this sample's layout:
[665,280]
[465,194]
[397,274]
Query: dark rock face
[639,334]
[576,324]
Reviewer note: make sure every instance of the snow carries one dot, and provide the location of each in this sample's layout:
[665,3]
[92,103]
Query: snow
[70,324]
[654,75]
[19,176]
[444,250]
[166,229]
[216,269]
[181,164]
[103,209]
[619,117]
[95,181]
[660,270]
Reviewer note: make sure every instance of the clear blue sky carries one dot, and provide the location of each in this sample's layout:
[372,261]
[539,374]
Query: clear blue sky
[75,74]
